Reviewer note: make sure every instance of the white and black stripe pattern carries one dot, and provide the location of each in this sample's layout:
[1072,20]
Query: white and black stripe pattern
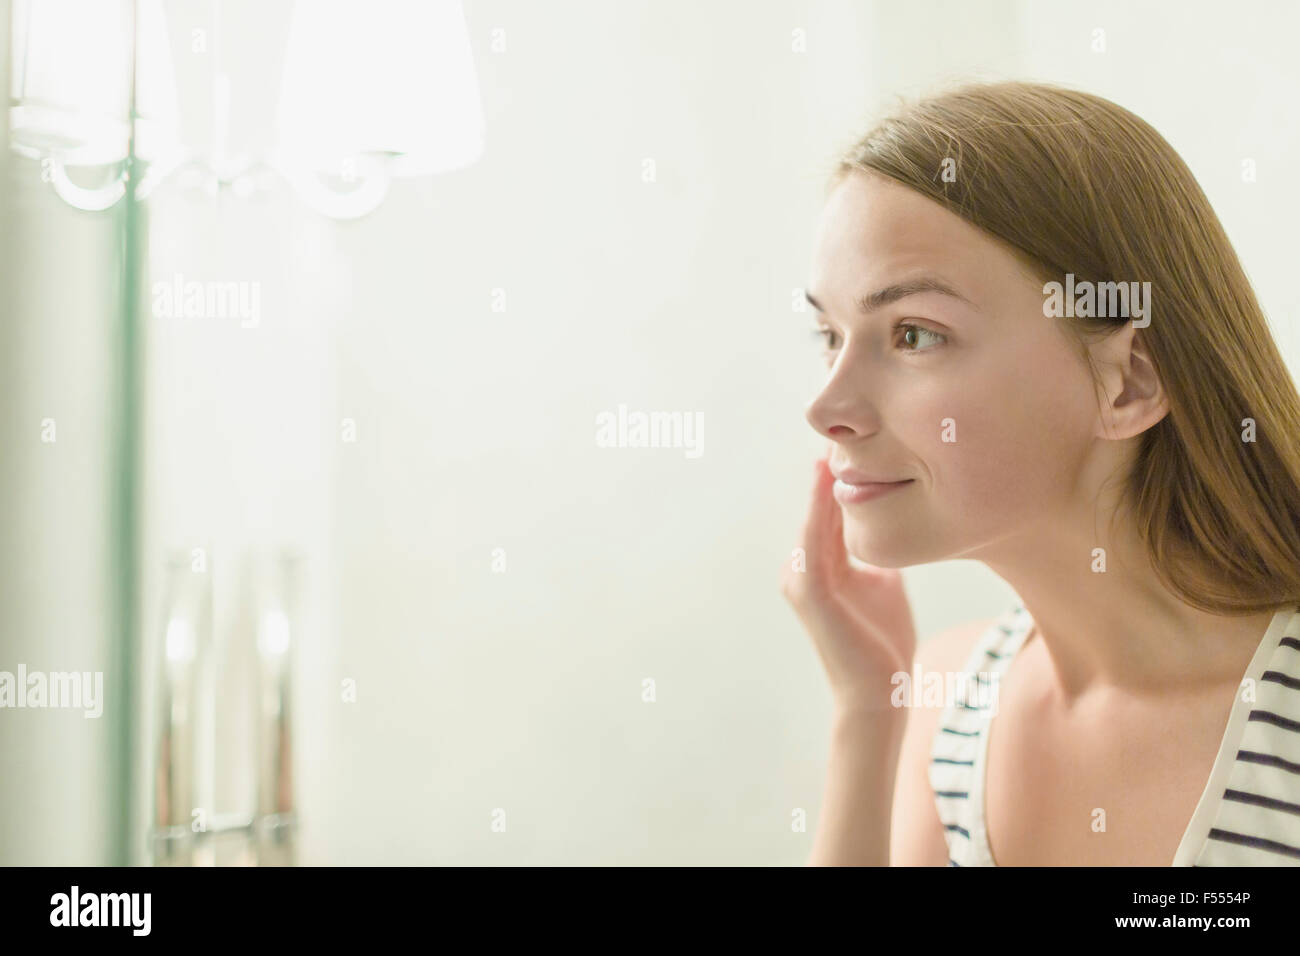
[1252,813]
[960,742]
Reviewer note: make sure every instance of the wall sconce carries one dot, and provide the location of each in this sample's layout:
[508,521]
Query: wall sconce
[73,72]
[370,90]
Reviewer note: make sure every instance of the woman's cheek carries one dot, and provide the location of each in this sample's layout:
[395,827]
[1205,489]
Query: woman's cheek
[980,456]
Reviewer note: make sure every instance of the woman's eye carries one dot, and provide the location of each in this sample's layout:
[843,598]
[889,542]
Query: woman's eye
[826,335]
[914,335]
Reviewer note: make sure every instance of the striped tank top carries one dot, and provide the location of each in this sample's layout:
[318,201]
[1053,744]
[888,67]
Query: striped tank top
[1249,812]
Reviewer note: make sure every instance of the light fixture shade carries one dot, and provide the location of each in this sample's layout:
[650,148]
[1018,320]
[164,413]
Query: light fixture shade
[380,78]
[71,80]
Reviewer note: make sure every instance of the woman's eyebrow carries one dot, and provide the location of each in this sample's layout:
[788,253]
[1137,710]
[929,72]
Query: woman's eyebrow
[899,290]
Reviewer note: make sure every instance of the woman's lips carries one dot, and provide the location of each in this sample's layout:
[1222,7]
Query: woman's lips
[852,494]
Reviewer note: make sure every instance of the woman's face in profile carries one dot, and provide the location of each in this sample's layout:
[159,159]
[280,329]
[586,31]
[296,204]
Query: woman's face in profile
[975,395]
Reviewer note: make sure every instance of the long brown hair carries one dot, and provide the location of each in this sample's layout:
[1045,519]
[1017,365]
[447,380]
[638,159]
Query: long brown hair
[1073,183]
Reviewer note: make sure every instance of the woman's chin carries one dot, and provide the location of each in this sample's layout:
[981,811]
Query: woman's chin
[875,550]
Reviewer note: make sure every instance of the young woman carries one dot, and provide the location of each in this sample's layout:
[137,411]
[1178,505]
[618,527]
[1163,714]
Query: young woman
[1045,356]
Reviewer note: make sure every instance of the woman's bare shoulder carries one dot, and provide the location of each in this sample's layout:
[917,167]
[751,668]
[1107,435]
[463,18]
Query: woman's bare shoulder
[949,649]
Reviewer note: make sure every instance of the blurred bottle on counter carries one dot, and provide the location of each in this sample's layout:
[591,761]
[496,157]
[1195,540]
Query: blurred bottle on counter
[183,730]
[278,611]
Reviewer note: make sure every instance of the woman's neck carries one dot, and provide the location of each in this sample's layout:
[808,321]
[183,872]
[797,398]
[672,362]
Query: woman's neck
[1120,627]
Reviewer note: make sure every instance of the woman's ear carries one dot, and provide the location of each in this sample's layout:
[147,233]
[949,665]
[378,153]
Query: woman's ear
[1132,397]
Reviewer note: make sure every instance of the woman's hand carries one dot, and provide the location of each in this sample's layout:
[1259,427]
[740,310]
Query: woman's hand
[857,614]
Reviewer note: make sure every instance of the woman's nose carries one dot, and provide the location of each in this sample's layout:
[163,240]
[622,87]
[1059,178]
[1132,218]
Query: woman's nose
[838,412]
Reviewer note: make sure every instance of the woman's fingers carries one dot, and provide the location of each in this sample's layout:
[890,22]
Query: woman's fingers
[824,532]
[822,538]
